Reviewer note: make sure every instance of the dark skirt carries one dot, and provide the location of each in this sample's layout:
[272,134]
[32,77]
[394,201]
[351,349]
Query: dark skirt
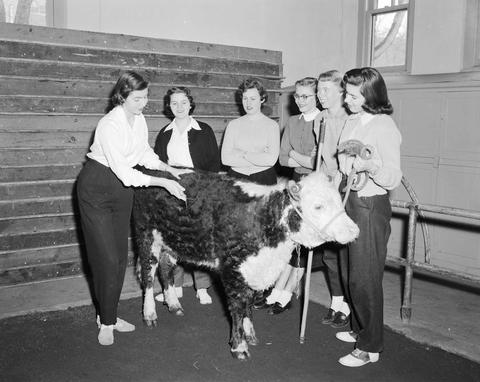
[266,177]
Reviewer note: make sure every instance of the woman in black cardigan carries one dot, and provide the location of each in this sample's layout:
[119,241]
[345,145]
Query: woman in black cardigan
[187,142]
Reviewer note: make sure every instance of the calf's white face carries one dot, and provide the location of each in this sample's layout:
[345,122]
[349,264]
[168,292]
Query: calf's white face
[322,214]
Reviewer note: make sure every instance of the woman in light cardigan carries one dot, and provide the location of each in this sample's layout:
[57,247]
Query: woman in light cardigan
[362,261]
[105,195]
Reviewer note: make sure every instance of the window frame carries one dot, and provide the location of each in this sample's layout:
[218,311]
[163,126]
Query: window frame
[366,14]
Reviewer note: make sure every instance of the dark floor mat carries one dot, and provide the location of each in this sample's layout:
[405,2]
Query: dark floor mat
[62,346]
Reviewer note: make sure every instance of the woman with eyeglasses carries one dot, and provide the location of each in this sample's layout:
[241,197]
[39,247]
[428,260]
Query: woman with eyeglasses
[251,143]
[362,261]
[297,150]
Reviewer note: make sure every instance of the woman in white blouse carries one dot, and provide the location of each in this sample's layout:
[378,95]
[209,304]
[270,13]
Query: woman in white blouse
[105,195]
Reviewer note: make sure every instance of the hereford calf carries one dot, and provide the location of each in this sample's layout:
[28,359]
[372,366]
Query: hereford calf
[244,231]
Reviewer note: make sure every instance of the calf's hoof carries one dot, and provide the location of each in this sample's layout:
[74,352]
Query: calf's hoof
[150,323]
[252,340]
[241,351]
[241,355]
[176,310]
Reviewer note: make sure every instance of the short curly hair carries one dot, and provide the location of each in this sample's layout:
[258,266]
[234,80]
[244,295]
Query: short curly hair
[254,83]
[179,90]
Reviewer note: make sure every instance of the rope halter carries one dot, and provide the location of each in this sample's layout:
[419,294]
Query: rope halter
[294,195]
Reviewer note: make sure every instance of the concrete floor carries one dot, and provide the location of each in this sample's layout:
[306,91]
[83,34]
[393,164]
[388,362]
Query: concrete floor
[444,314]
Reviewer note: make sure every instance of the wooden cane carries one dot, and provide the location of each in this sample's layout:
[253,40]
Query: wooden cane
[306,297]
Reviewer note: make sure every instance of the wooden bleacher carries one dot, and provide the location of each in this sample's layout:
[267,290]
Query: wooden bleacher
[54,87]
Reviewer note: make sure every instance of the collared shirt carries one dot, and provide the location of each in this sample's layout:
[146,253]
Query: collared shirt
[121,147]
[299,136]
[177,149]
[308,117]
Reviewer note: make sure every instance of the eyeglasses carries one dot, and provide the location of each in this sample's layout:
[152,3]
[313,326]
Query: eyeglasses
[303,97]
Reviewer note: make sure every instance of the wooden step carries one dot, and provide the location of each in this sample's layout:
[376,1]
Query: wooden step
[22,159]
[83,88]
[29,273]
[44,172]
[39,189]
[38,239]
[43,223]
[36,256]
[34,207]
[45,255]
[106,57]
[70,37]
[58,70]
[66,139]
[75,105]
[45,263]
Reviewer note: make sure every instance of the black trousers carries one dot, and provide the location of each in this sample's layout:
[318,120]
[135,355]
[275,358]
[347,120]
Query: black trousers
[105,209]
[266,177]
[332,268]
[362,264]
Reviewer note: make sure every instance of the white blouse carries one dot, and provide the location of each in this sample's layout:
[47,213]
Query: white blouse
[121,147]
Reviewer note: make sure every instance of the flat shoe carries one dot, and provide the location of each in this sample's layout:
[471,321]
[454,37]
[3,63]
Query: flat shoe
[105,335]
[340,320]
[204,297]
[358,358]
[123,326]
[329,317]
[263,304]
[277,308]
[347,336]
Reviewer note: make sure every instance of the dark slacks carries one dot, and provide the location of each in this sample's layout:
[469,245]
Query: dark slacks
[362,264]
[105,208]
[266,177]
[332,268]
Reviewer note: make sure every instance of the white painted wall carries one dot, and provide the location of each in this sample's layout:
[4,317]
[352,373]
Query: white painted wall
[313,35]
[438,28]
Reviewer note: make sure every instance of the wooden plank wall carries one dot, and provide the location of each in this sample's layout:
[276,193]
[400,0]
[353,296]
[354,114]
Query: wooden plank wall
[54,87]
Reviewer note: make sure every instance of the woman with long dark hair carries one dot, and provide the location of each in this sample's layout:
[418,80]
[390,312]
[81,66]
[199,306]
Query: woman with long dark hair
[362,261]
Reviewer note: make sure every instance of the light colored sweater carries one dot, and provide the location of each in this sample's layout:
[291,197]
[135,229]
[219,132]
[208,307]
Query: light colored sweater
[251,145]
[380,132]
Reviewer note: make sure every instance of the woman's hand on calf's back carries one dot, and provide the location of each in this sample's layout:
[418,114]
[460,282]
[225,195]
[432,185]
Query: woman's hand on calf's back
[171,186]
[176,172]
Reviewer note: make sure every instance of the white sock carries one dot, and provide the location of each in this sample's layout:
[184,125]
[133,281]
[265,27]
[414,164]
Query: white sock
[345,309]
[273,296]
[337,303]
[284,297]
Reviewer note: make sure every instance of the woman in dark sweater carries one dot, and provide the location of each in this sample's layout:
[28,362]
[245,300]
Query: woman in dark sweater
[186,142]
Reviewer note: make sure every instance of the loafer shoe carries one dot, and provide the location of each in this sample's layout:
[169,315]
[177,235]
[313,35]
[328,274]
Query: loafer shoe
[105,335]
[123,326]
[262,305]
[347,336]
[358,358]
[340,320]
[329,317]
[277,308]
